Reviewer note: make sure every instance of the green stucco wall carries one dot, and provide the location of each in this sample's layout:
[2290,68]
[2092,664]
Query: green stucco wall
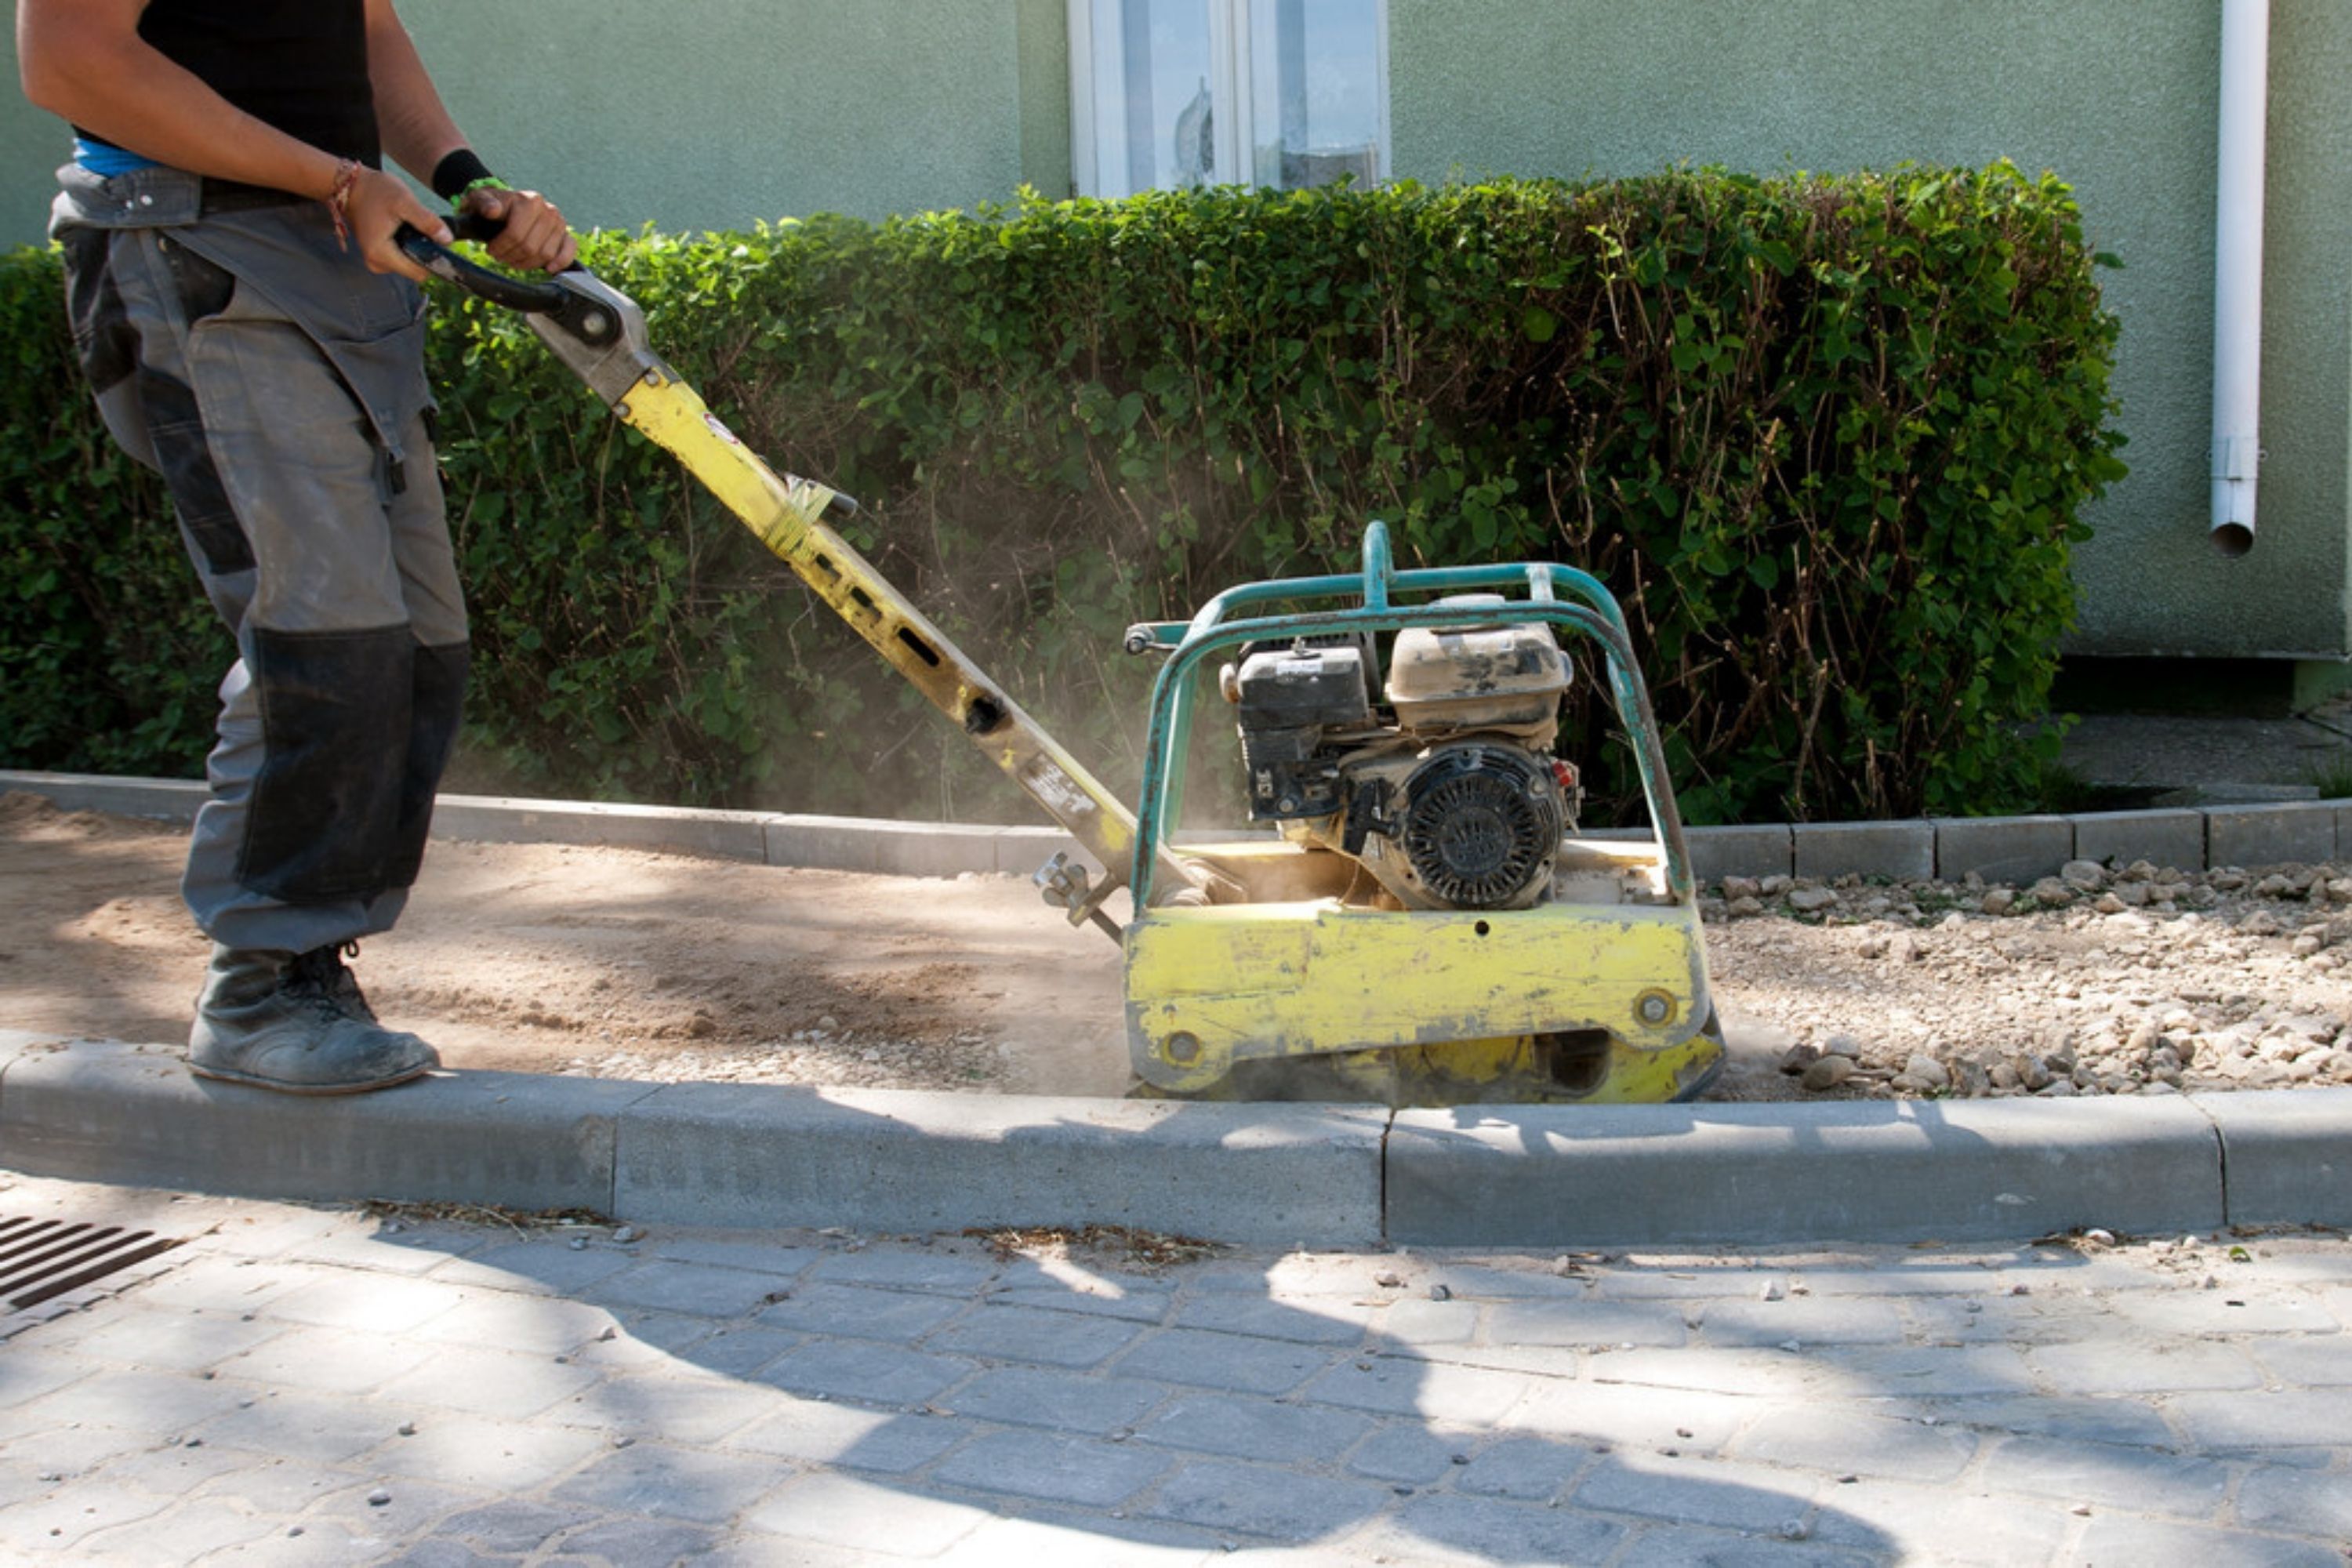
[690,114]
[714,113]
[2117,96]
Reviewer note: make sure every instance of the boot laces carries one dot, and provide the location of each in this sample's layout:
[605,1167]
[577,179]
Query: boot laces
[319,974]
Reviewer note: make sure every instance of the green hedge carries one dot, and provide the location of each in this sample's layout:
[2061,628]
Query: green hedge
[1830,439]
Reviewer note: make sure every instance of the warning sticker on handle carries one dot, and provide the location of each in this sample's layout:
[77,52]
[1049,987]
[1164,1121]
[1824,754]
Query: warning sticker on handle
[1055,789]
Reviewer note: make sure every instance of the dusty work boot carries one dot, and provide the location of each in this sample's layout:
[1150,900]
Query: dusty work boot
[296,1022]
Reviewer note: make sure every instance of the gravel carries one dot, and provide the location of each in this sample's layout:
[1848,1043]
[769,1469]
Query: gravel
[2142,979]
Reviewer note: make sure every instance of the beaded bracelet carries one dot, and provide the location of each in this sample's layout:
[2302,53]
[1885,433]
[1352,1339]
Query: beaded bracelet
[338,200]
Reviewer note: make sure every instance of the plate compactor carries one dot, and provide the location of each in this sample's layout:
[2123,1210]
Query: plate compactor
[1414,918]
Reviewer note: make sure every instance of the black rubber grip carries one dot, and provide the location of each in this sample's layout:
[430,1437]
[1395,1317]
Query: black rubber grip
[498,288]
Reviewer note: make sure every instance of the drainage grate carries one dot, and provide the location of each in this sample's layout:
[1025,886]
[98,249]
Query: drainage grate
[44,1258]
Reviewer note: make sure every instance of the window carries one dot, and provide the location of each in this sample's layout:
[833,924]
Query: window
[1169,93]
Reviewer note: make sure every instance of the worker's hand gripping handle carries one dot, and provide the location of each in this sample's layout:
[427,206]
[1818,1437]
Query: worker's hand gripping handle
[530,296]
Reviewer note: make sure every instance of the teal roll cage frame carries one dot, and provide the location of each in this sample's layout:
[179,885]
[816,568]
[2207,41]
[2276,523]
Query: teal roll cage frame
[1589,608]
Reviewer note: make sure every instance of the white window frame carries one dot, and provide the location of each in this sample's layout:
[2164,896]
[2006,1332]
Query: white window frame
[1096,134]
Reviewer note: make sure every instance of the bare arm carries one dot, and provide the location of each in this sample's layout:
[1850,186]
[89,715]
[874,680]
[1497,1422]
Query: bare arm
[84,59]
[418,133]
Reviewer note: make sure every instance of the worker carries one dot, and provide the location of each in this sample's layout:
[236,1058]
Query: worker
[255,334]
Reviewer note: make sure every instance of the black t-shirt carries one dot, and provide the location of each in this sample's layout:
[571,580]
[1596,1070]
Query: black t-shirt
[301,66]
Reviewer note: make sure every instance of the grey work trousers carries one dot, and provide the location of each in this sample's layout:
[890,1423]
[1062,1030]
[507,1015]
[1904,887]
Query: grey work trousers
[278,388]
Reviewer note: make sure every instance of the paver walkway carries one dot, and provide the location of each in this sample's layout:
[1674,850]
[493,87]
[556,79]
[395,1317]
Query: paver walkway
[315,1386]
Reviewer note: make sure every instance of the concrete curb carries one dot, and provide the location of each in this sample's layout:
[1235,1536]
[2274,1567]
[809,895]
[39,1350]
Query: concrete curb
[1282,1175]
[1999,848]
[1314,1176]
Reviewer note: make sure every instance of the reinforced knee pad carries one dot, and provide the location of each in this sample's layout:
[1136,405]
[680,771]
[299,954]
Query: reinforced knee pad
[337,715]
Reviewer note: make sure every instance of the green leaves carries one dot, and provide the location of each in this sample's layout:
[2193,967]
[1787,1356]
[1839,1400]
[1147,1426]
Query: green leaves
[1829,439]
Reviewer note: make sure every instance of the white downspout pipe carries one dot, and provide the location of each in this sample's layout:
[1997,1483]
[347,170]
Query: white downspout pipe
[2238,272]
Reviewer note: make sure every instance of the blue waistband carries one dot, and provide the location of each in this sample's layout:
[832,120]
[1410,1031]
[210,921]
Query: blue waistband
[106,160]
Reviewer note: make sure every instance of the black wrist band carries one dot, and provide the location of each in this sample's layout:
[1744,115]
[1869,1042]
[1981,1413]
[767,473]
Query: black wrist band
[454,175]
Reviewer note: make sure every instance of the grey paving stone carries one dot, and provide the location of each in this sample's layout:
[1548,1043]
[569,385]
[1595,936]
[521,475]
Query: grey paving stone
[877,1374]
[2258,1419]
[1669,1546]
[136,1401]
[282,1485]
[841,1510]
[1136,1306]
[2139,1479]
[1424,1324]
[1096,1541]
[2294,1502]
[945,1270]
[445,1554]
[2121,1367]
[59,1523]
[2320,1360]
[1630,1282]
[1401,1385]
[513,1524]
[2117,1538]
[2130,1423]
[221,1285]
[178,1340]
[1031,1396]
[668,1482]
[850,1438]
[1694,1490]
[753,1252]
[1634,1417]
[288,1421]
[404,1509]
[513,1386]
[659,1286]
[1935,1371]
[1483,1530]
[1528,1469]
[328,1361]
[170,1471]
[524,1324]
[685,1404]
[2233,1311]
[537,1267]
[1223,1361]
[178,1534]
[1409,1452]
[1711,1370]
[2013,849]
[1324,1324]
[504,1455]
[1243,1429]
[625,1541]
[362,1303]
[1584,1323]
[900,1315]
[1022,1333]
[1842,1440]
[740,1350]
[323,1544]
[1052,1467]
[1808,1320]
[1259,1501]
[1944,1525]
